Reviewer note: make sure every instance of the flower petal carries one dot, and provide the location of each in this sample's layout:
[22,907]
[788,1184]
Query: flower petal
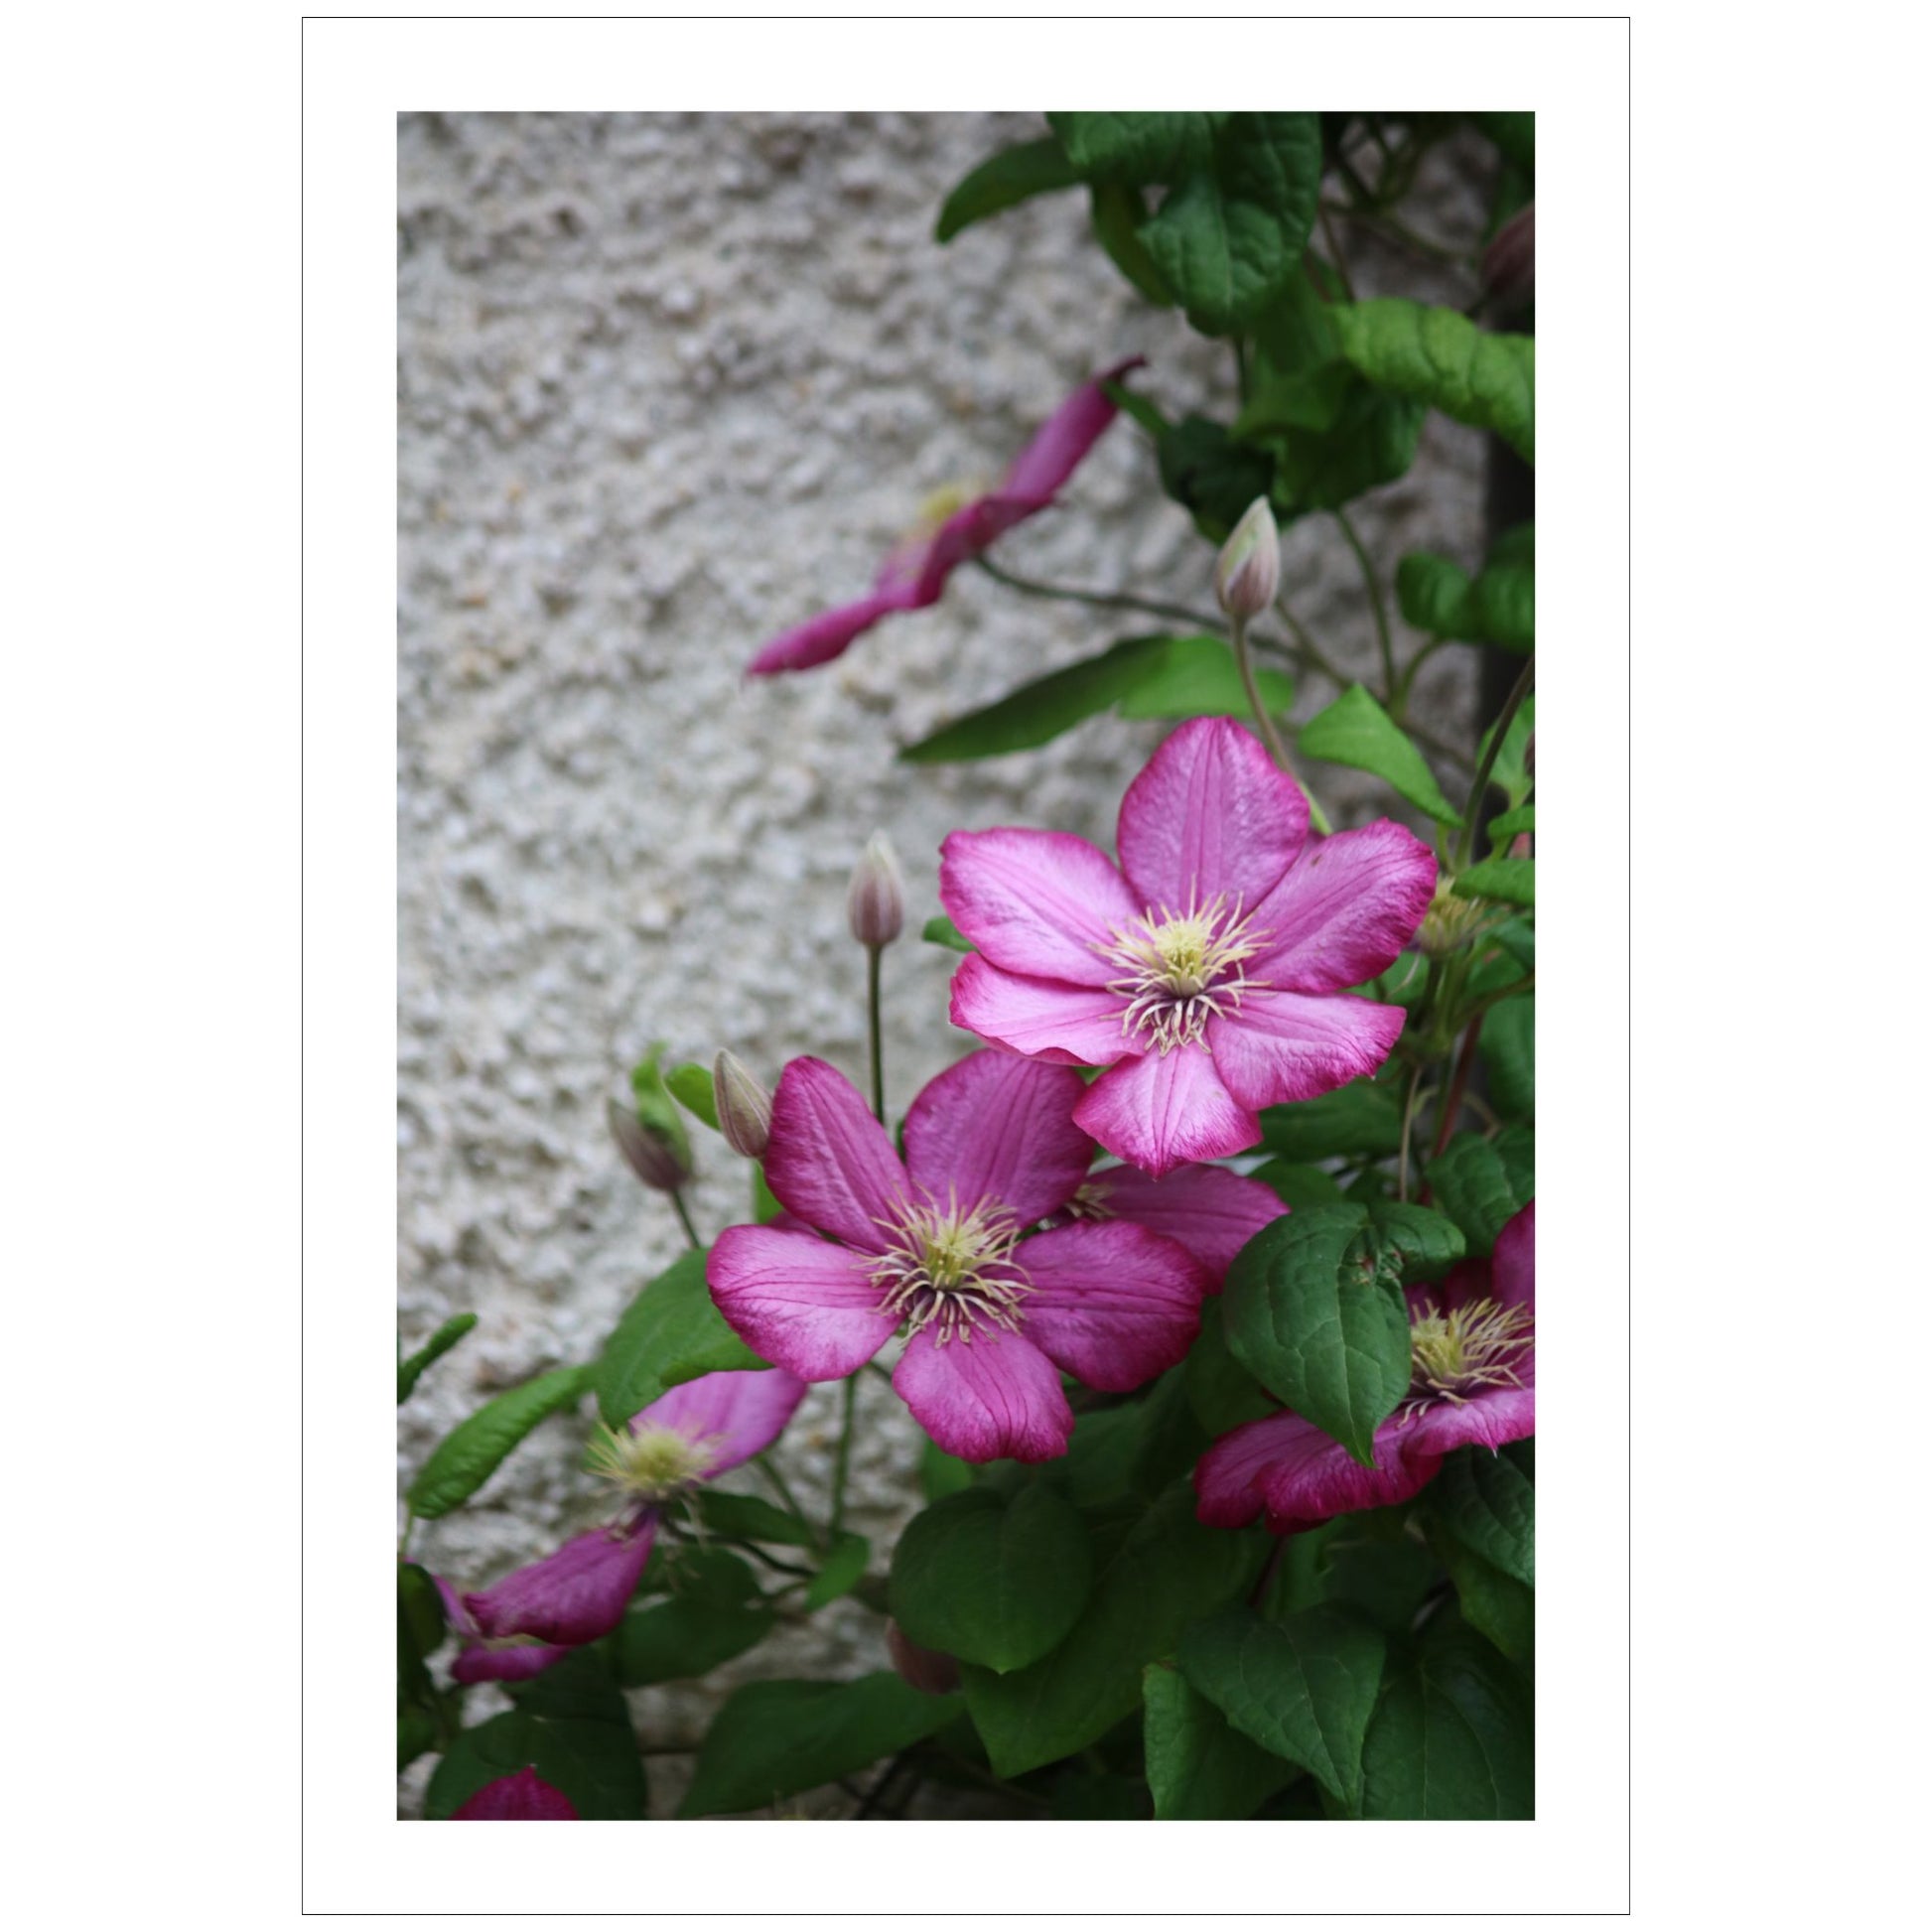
[1293,1045]
[737,1411]
[573,1595]
[798,1301]
[1043,903]
[1344,911]
[1299,1475]
[829,1160]
[520,1795]
[1512,1263]
[1165,1108]
[505,1663]
[1114,1303]
[1491,1418]
[821,638]
[997,1126]
[1063,439]
[1209,814]
[1211,1211]
[992,1397]
[1048,1020]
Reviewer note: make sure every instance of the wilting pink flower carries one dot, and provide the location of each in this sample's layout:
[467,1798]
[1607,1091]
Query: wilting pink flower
[938,1243]
[520,1795]
[915,573]
[1212,1212]
[687,1437]
[1206,969]
[1472,1354]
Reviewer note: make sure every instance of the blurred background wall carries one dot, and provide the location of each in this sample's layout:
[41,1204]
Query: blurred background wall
[668,384]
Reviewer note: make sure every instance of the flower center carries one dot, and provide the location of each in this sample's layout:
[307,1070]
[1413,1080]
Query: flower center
[951,1268]
[1458,1352]
[647,1464]
[1179,970]
[1089,1202]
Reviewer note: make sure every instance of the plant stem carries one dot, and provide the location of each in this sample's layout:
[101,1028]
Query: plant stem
[770,1471]
[1376,606]
[844,1460]
[1465,842]
[1100,600]
[1407,682]
[1407,1124]
[763,1555]
[1270,736]
[684,1218]
[871,1019]
[1339,260]
[1453,1100]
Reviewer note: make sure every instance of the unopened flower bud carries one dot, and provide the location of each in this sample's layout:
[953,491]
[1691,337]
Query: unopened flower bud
[1248,572]
[653,1154]
[935,1672]
[1509,262]
[875,903]
[1446,925]
[743,1107]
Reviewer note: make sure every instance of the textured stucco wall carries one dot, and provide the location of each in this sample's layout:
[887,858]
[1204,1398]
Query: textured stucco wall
[666,385]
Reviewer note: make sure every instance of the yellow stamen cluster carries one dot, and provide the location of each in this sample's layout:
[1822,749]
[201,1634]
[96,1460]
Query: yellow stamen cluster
[1461,1350]
[1182,969]
[647,1464]
[951,1268]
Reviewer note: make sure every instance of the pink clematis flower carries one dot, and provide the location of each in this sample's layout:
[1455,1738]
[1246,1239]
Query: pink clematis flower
[938,1243]
[687,1437]
[520,1795]
[1212,1212]
[1207,969]
[915,573]
[1472,1345]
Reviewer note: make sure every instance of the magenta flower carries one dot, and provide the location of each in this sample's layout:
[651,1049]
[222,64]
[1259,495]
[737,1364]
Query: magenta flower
[520,1795]
[1473,1346]
[1207,969]
[938,1244]
[915,573]
[688,1437]
[1211,1211]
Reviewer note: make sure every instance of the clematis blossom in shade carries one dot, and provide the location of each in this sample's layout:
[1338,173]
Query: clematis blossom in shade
[687,1437]
[938,1244]
[915,573]
[1212,1212]
[1472,1351]
[1206,969]
[520,1795]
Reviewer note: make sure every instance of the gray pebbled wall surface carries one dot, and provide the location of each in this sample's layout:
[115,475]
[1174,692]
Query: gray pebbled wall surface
[666,385]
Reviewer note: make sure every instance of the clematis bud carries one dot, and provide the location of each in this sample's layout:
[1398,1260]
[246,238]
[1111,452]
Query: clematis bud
[653,1154]
[1446,925]
[875,903]
[1248,572]
[935,1672]
[743,1107]
[1509,262]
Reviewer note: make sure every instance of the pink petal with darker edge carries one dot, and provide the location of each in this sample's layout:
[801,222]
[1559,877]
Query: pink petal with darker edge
[1295,1045]
[1113,1304]
[821,638]
[1512,1266]
[1164,1109]
[505,1663]
[1062,442]
[571,1596]
[1002,1128]
[829,1160]
[1344,911]
[1299,1475]
[798,1301]
[736,1412]
[1211,1211]
[1048,1019]
[520,1795]
[992,1397]
[1488,1419]
[1209,814]
[1043,903]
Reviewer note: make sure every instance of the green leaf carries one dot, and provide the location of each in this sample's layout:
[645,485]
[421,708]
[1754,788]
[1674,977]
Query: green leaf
[1229,242]
[1303,1688]
[751,1519]
[1003,180]
[941,1474]
[765,1205]
[1497,606]
[771,1740]
[465,1459]
[842,1568]
[1360,1118]
[995,1580]
[1509,1050]
[1136,148]
[1196,1765]
[1366,1561]
[1372,440]
[1222,1393]
[1510,773]
[686,1637]
[1298,1184]
[409,1373]
[1481,1183]
[1512,881]
[1440,357]
[671,1333]
[1412,1244]
[656,1109]
[1356,731]
[1488,1504]
[693,1088]
[571,1725]
[1505,825]
[1491,1603]
[1166,1570]
[1315,1319]
[1118,211]
[1434,594]
[1452,1738]
[940,931]
[1141,677]
[1211,475]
